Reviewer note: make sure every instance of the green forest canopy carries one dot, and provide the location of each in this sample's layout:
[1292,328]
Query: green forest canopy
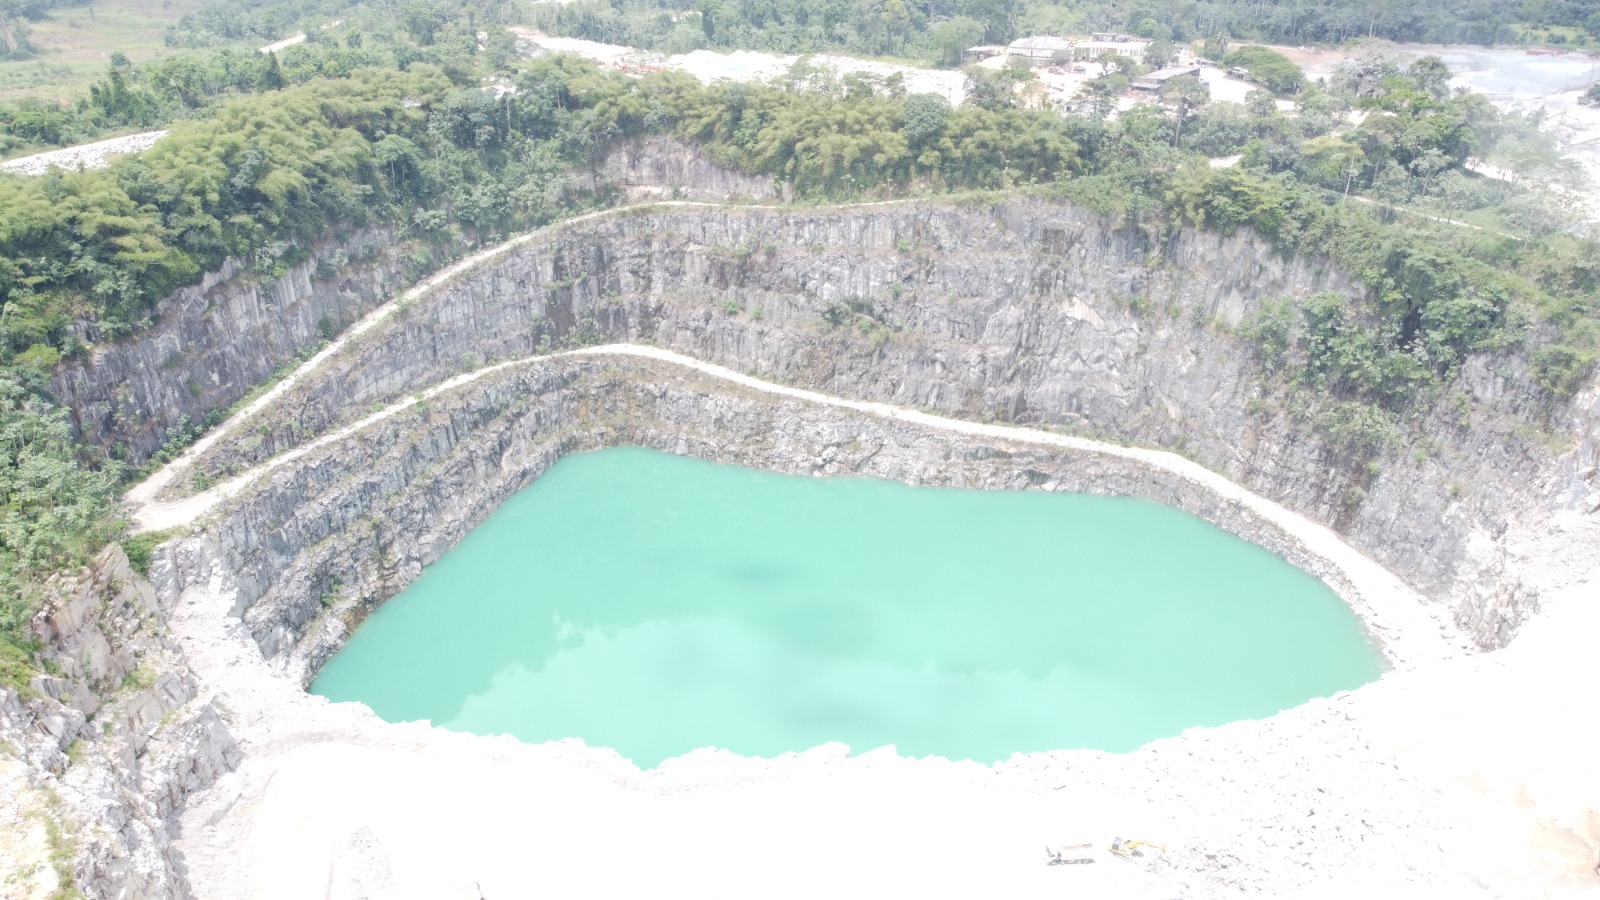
[937,30]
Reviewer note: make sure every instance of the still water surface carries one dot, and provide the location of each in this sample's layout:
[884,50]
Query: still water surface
[656,604]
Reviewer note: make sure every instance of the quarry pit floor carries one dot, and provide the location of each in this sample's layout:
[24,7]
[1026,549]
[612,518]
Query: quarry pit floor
[1456,774]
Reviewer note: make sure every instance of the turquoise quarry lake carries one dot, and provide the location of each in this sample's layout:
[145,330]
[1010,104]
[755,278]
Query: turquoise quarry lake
[655,604]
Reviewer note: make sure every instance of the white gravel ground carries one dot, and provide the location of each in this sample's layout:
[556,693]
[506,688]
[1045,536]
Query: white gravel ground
[84,156]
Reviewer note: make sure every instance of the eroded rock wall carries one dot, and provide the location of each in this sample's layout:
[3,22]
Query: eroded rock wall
[1019,311]
[1022,311]
[664,169]
[215,341]
[119,733]
[1305,798]
[1028,312]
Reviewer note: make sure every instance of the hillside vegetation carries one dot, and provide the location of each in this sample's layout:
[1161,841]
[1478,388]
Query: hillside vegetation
[52,50]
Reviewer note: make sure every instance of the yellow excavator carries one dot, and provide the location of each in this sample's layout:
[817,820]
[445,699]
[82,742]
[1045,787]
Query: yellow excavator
[1129,850]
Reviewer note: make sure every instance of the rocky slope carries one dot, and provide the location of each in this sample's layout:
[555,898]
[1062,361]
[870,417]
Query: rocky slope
[309,552]
[122,728]
[119,733]
[218,339]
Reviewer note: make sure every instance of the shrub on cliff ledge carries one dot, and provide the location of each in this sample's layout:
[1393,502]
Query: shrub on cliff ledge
[54,512]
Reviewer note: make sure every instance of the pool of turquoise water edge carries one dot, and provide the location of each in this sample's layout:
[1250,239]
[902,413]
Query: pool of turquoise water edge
[655,604]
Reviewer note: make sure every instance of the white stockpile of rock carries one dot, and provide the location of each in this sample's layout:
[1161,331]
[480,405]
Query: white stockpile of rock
[84,156]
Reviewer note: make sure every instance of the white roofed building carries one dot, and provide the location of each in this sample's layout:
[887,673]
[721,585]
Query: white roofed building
[1132,49]
[1039,50]
[1155,81]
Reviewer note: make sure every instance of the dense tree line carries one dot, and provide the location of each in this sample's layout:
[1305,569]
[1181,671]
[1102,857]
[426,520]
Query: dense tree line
[1265,66]
[256,21]
[88,253]
[85,255]
[263,21]
[1378,130]
[55,510]
[931,29]
[1413,139]
[1399,136]
[341,37]
[938,30]
[1363,368]
[1336,21]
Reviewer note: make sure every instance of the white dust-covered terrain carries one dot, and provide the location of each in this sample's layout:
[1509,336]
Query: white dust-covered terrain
[1549,87]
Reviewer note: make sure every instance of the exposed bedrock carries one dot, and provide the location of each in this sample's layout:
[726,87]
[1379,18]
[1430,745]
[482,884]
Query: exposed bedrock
[1023,311]
[216,340]
[120,731]
[665,169]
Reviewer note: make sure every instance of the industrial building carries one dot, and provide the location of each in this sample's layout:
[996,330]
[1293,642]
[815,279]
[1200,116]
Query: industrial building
[1155,81]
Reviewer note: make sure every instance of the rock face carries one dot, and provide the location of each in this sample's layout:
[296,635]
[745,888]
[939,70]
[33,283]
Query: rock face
[304,555]
[215,341]
[1022,311]
[119,731]
[312,552]
[219,338]
[661,169]
[1275,806]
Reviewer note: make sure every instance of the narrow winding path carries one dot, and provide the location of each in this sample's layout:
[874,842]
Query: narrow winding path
[142,495]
